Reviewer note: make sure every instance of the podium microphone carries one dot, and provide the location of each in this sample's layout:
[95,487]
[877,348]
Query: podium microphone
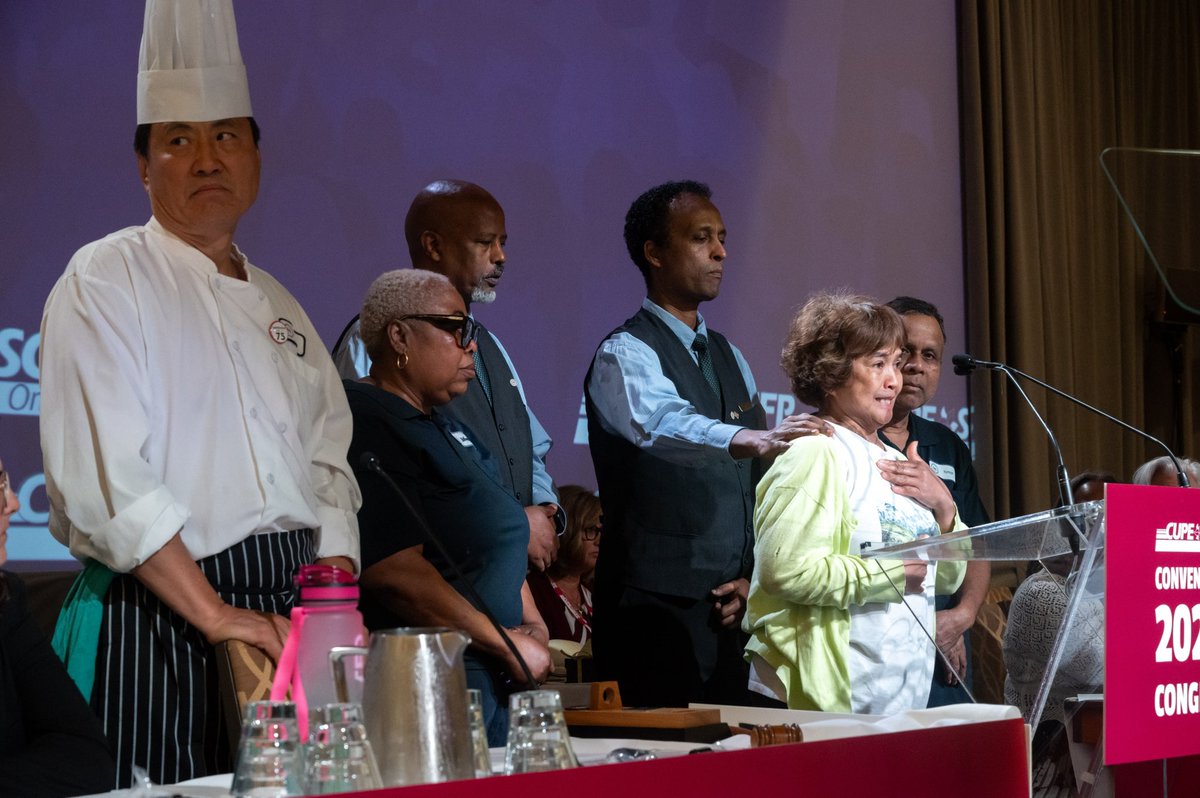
[370,462]
[965,364]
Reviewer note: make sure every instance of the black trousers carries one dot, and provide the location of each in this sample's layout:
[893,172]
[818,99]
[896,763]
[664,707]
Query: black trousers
[156,680]
[666,651]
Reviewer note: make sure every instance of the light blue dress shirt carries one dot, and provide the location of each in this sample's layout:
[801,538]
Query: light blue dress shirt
[637,402]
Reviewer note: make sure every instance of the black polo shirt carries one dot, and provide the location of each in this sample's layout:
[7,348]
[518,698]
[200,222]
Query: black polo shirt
[950,459]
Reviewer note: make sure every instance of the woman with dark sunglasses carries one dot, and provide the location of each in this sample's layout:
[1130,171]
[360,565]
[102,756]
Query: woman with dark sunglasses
[421,342]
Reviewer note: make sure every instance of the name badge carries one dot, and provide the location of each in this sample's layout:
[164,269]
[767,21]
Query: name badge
[283,331]
[944,472]
[745,407]
[463,439]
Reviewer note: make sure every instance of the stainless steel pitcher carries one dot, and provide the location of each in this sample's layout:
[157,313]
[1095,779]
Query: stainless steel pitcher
[414,703]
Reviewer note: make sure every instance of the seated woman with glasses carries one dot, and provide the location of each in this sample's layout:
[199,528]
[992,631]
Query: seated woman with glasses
[563,592]
[421,340]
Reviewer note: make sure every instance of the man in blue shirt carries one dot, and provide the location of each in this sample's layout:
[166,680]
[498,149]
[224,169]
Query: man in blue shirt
[457,229]
[676,433]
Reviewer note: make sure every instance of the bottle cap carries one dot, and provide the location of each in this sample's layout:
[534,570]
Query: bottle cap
[326,583]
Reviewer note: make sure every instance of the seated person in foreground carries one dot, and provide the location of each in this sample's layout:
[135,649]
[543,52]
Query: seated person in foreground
[1033,625]
[563,592]
[50,742]
[421,341]
[829,629]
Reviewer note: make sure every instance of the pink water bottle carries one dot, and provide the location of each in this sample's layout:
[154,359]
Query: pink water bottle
[326,615]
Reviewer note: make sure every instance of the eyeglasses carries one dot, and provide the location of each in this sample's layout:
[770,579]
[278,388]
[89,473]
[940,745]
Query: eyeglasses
[592,532]
[465,326]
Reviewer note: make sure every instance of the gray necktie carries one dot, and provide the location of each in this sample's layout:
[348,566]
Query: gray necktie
[700,347]
[481,376]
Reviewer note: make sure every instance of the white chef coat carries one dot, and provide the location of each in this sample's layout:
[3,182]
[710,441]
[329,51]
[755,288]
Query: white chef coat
[176,399]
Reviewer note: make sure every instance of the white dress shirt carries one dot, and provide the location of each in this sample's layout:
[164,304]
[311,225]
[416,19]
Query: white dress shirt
[170,405]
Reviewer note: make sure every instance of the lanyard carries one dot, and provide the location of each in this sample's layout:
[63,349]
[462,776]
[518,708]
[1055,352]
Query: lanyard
[585,604]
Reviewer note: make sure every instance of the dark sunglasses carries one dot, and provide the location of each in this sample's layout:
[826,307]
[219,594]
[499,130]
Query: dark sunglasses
[465,326]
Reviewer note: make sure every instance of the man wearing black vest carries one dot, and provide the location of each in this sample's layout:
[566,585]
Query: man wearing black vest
[457,229]
[675,430]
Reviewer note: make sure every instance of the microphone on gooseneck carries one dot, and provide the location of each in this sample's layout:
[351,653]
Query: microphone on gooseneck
[965,364]
[371,463]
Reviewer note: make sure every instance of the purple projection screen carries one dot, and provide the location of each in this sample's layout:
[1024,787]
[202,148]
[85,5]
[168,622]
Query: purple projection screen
[828,132]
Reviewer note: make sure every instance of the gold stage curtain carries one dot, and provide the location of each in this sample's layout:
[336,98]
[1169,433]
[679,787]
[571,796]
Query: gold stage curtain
[1056,281]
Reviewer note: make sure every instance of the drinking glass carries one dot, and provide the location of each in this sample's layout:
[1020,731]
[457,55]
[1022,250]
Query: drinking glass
[268,757]
[338,755]
[537,733]
[483,757]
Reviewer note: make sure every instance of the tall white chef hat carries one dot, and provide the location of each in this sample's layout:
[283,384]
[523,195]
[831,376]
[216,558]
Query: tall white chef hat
[190,67]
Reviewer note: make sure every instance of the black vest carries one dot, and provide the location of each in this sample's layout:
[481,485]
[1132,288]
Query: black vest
[668,528]
[502,427]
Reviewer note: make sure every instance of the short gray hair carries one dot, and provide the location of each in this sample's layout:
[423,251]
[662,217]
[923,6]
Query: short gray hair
[1146,471]
[397,293]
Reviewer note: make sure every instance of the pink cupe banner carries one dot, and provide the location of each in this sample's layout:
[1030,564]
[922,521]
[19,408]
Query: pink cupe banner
[1152,624]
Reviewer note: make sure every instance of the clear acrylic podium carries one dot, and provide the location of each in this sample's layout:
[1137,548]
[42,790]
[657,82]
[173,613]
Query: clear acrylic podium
[1063,630]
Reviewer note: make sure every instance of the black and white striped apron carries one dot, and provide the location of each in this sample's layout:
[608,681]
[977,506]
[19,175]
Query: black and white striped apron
[156,678]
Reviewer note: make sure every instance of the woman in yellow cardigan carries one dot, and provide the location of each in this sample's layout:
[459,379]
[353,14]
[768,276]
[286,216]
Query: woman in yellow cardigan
[831,630]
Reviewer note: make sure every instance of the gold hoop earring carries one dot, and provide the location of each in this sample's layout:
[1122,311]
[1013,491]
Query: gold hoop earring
[399,365]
